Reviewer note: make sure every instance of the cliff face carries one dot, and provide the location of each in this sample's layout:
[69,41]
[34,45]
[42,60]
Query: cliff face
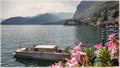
[92,11]
[84,5]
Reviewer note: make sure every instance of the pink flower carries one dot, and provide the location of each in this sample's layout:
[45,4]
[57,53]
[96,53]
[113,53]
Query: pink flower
[67,60]
[110,49]
[70,63]
[78,47]
[74,51]
[59,65]
[114,45]
[109,44]
[75,57]
[111,37]
[97,46]
[52,66]
[56,65]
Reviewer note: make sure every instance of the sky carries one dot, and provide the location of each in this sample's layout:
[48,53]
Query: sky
[24,8]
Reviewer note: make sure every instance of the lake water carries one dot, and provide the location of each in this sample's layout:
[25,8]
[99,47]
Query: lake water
[15,36]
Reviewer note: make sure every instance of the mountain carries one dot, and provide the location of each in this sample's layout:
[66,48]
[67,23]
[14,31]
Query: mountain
[1,19]
[98,7]
[44,18]
[84,5]
[93,12]
[47,18]
[64,15]
[15,20]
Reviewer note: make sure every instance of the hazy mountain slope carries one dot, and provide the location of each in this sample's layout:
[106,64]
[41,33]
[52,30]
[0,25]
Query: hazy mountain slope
[93,12]
[47,18]
[98,7]
[84,5]
[64,15]
[15,20]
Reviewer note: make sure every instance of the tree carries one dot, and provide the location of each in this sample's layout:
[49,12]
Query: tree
[115,14]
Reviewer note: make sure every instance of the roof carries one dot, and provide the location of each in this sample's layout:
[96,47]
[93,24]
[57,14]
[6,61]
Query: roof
[46,46]
[20,49]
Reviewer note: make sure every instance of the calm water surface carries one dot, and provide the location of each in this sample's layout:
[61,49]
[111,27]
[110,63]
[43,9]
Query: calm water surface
[15,36]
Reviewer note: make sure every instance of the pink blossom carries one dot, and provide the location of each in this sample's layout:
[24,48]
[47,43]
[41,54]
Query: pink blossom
[110,49]
[113,51]
[71,63]
[56,65]
[78,47]
[75,57]
[111,37]
[52,66]
[97,46]
[114,45]
[74,51]
[59,65]
[109,44]
[68,60]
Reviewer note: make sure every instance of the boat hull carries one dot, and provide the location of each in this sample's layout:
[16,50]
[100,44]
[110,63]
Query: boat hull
[42,55]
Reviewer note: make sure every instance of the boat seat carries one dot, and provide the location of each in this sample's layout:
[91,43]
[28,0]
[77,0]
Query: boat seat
[67,49]
[60,51]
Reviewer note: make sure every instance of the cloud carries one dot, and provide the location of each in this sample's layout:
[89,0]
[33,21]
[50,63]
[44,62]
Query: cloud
[12,8]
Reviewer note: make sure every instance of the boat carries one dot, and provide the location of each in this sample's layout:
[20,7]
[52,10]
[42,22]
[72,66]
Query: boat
[44,52]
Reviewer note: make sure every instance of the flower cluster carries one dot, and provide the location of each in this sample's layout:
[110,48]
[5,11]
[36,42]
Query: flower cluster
[110,50]
[85,57]
[57,65]
[112,45]
[78,58]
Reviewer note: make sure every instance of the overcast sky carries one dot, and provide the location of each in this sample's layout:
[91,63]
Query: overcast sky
[11,8]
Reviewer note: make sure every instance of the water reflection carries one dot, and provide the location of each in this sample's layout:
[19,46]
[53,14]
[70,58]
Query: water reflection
[89,34]
[34,62]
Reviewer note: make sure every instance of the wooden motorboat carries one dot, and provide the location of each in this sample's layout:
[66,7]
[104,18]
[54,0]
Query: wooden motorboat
[45,52]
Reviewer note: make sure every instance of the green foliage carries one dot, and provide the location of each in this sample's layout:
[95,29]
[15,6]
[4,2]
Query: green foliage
[63,63]
[104,54]
[88,50]
[110,13]
[94,19]
[115,14]
[92,57]
[105,58]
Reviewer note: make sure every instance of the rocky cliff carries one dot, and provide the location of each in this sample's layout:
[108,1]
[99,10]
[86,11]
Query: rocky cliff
[84,5]
[92,11]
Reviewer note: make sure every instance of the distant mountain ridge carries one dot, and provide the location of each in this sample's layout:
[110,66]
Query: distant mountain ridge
[38,19]
[64,15]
